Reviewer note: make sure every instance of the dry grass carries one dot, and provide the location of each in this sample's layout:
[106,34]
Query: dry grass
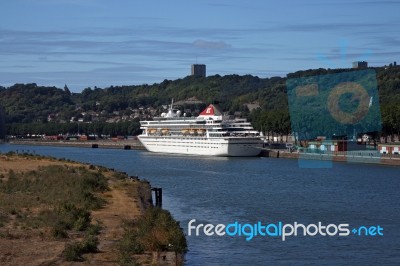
[53,212]
[23,163]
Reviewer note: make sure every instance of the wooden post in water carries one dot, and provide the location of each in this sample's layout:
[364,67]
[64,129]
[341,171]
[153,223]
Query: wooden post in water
[158,196]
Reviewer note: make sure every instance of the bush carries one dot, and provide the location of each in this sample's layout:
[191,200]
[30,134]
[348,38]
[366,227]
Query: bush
[93,229]
[59,230]
[164,233]
[156,230]
[91,201]
[130,244]
[120,175]
[63,218]
[74,251]
[74,217]
[89,244]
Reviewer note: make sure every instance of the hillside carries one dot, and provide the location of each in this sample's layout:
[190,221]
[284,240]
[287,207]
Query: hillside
[36,109]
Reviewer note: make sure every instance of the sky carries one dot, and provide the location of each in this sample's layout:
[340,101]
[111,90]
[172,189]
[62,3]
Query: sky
[87,43]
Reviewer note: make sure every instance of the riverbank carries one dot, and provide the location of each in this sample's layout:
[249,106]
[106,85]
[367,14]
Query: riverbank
[353,156]
[105,144]
[62,212]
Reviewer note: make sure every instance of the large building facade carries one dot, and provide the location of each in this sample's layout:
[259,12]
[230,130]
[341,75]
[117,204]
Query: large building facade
[198,70]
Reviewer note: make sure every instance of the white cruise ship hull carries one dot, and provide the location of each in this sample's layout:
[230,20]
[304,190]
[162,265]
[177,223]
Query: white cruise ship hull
[224,146]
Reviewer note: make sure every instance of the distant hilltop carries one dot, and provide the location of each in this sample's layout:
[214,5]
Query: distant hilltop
[249,96]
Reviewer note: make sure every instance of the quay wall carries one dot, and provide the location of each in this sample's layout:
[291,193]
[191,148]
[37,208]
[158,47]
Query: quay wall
[352,157]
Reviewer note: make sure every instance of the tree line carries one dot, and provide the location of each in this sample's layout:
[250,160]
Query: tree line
[27,106]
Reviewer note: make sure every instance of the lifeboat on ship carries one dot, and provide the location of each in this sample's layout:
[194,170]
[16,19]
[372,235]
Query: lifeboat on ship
[152,131]
[201,131]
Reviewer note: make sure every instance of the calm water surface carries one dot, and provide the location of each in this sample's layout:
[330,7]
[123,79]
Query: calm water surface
[248,190]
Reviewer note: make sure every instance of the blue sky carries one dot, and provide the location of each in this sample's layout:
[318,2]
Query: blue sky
[87,43]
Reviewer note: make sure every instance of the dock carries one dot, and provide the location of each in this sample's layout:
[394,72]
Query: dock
[374,157]
[105,144]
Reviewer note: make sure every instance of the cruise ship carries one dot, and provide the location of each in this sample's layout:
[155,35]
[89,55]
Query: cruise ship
[209,134]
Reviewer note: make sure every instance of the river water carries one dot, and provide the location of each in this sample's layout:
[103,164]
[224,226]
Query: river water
[249,190]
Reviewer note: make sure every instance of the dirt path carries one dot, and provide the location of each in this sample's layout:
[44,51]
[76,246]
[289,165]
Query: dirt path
[120,207]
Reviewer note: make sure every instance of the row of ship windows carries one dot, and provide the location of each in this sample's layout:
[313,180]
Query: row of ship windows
[172,138]
[167,144]
[207,147]
[189,142]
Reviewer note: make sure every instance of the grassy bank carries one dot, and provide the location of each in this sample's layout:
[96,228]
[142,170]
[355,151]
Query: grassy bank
[57,212]
[54,202]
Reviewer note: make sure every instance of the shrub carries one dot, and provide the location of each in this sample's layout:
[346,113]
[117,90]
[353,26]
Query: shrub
[89,244]
[93,229]
[95,181]
[59,230]
[130,243]
[74,217]
[156,230]
[120,175]
[74,251]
